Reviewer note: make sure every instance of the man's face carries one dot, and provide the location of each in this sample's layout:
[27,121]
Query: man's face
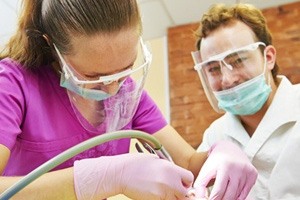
[230,56]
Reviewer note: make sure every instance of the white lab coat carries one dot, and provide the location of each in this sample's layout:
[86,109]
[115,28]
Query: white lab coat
[274,148]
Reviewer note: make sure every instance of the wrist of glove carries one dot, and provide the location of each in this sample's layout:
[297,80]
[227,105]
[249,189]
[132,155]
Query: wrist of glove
[231,170]
[138,176]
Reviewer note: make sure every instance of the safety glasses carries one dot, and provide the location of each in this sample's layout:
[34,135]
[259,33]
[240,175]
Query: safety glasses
[106,80]
[231,59]
[228,69]
[221,69]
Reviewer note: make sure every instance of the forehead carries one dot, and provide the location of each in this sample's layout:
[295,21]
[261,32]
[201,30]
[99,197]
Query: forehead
[226,38]
[104,53]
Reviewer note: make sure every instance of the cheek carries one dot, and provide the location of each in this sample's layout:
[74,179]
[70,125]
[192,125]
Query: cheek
[215,84]
[254,70]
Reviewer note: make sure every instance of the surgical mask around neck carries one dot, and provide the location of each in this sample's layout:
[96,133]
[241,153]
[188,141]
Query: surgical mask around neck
[93,94]
[246,98]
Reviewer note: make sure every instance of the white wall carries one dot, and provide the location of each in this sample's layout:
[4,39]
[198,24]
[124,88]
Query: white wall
[8,19]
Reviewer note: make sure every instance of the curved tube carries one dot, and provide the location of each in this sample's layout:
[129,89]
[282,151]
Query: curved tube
[69,153]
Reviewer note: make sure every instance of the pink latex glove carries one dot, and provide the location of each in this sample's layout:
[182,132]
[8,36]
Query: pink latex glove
[233,173]
[136,175]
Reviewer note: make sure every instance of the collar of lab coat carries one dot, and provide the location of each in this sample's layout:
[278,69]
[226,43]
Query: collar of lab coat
[284,108]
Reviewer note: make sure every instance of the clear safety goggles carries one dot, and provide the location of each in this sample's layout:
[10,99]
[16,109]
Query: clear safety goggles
[228,69]
[141,62]
[239,61]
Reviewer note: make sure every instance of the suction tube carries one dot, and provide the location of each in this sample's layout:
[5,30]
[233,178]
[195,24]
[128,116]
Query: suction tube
[69,153]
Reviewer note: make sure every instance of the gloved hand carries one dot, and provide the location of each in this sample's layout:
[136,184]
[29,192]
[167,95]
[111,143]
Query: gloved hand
[233,173]
[138,176]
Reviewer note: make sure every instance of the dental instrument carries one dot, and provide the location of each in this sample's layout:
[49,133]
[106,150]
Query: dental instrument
[146,139]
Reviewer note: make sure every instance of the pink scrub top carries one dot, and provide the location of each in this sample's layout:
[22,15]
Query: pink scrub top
[37,121]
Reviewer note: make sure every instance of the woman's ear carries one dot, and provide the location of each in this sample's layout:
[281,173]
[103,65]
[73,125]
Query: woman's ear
[270,52]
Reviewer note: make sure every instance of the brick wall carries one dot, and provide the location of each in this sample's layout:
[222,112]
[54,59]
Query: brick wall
[191,113]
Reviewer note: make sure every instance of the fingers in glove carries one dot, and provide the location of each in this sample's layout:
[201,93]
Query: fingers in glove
[202,182]
[220,186]
[187,179]
[248,186]
[233,189]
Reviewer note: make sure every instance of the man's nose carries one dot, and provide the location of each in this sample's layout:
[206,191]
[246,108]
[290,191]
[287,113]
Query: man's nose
[229,77]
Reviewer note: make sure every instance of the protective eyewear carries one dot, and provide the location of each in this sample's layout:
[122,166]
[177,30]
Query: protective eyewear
[241,61]
[228,69]
[106,80]
[231,59]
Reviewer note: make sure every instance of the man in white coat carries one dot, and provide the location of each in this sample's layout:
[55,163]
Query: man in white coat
[236,63]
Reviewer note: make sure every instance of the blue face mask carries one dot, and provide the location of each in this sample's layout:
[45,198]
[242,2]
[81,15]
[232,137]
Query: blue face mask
[246,98]
[92,94]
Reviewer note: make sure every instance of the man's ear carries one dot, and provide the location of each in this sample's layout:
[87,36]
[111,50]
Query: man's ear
[270,52]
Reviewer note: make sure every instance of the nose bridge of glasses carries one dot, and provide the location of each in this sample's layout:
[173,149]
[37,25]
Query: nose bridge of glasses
[110,88]
[110,82]
[228,74]
[227,66]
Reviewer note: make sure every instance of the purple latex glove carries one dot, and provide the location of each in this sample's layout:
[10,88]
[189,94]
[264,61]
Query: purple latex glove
[233,173]
[138,176]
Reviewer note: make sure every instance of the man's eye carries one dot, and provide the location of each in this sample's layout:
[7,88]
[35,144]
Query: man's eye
[238,62]
[214,69]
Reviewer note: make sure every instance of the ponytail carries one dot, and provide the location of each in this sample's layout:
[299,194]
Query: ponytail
[28,46]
